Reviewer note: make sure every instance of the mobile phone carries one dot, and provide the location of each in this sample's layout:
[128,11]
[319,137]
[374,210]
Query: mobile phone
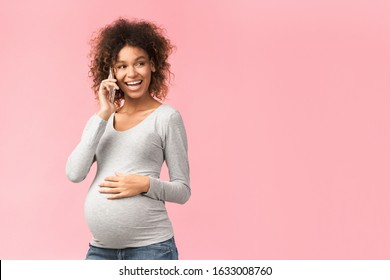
[112,89]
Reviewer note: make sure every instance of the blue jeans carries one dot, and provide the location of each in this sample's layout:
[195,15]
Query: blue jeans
[165,250]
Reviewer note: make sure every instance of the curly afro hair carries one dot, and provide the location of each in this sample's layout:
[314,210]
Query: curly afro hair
[109,40]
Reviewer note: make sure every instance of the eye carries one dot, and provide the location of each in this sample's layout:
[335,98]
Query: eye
[140,64]
[122,66]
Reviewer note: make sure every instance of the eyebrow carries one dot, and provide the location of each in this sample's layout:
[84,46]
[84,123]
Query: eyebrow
[138,58]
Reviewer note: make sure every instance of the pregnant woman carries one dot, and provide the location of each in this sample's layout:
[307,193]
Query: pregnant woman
[129,138]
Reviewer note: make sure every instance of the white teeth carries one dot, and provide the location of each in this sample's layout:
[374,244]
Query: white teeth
[134,83]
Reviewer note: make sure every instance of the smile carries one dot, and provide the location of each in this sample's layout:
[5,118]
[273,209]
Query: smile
[134,86]
[135,83]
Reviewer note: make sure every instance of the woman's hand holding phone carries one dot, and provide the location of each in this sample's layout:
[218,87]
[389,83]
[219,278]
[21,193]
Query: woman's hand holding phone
[106,96]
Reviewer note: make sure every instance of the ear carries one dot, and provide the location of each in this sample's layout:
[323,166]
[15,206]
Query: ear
[114,72]
[152,66]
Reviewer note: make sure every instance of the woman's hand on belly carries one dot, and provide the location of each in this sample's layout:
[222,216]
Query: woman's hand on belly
[124,185]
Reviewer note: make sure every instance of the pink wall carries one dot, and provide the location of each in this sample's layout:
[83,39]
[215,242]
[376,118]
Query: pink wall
[286,105]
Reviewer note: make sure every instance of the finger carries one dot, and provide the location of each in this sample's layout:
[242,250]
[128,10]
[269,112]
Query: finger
[111,74]
[109,190]
[109,80]
[112,178]
[108,184]
[115,196]
[109,85]
[103,91]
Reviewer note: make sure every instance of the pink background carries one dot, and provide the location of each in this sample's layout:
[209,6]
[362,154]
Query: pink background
[286,105]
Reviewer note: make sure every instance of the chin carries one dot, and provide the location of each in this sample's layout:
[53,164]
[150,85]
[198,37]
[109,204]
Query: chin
[135,95]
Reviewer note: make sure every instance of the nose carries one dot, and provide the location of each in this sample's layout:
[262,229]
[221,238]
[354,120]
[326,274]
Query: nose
[131,72]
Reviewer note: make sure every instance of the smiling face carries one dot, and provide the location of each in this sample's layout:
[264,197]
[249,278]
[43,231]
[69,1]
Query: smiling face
[133,71]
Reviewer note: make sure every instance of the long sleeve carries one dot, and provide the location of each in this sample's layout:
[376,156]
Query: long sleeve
[176,156]
[81,159]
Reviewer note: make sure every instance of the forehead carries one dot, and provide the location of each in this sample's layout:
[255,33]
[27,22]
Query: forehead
[130,53]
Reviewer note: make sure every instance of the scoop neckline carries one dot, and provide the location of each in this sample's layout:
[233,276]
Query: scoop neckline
[138,124]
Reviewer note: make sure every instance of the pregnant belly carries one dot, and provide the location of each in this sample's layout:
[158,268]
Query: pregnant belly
[123,222]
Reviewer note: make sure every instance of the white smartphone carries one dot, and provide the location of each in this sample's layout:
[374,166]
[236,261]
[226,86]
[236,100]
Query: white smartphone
[112,89]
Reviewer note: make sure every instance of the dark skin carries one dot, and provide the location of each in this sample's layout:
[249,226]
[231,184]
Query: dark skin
[132,65]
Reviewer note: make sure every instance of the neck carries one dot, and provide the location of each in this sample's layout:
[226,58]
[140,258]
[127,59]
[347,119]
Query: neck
[140,104]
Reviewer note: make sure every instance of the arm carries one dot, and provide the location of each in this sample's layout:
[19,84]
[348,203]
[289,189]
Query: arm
[81,159]
[176,156]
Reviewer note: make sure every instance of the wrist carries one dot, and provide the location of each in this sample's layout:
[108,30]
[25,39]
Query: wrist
[146,186]
[105,115]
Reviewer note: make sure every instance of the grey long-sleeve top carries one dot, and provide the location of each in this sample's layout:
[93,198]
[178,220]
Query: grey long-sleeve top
[139,220]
